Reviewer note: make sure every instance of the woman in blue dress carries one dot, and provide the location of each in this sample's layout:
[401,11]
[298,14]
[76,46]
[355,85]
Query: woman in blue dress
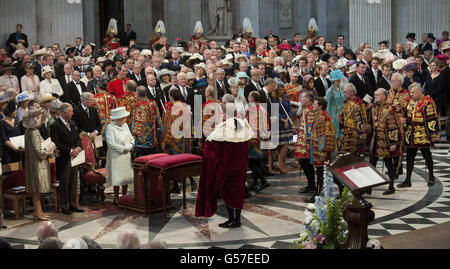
[284,134]
[335,99]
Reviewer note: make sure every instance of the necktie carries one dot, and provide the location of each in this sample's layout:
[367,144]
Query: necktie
[184,93]
[138,77]
[152,91]
[68,126]
[87,111]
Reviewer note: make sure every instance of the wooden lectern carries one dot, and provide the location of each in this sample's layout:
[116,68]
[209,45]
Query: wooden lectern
[358,176]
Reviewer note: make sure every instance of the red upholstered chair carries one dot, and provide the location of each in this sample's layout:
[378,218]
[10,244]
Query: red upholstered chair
[90,174]
[136,201]
[175,167]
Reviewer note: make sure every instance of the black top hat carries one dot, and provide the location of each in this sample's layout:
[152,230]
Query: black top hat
[430,35]
[385,42]
[411,35]
[320,50]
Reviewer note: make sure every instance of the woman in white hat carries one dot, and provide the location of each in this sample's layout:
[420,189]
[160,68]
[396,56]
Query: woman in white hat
[37,169]
[120,141]
[49,84]
[164,78]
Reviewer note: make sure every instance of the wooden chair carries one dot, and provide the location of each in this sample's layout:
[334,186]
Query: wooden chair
[92,174]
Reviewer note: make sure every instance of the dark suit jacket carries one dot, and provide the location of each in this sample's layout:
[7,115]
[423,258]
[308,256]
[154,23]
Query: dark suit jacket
[250,88]
[383,83]
[13,39]
[172,66]
[59,70]
[222,91]
[62,82]
[401,56]
[267,101]
[38,71]
[87,123]
[318,84]
[65,141]
[190,97]
[127,38]
[424,48]
[92,85]
[158,98]
[362,88]
[371,76]
[422,75]
[133,77]
[72,95]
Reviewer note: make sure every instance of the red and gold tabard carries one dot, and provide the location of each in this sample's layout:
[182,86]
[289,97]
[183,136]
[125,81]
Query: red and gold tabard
[387,131]
[117,86]
[323,138]
[422,123]
[258,121]
[293,91]
[146,120]
[303,146]
[353,117]
[105,103]
[128,100]
[175,145]
[399,98]
[210,108]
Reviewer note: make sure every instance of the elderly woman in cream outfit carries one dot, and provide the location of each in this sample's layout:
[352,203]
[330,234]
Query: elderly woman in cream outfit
[120,141]
[50,85]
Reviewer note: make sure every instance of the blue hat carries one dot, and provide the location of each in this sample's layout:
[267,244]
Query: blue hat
[242,75]
[24,96]
[336,75]
[411,66]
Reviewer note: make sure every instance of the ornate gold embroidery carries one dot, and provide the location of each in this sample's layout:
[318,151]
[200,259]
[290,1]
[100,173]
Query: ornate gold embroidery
[432,125]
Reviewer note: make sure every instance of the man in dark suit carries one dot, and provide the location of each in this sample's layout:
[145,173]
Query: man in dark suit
[266,94]
[384,81]
[78,46]
[372,72]
[65,135]
[361,82]
[92,85]
[270,34]
[65,79]
[175,63]
[399,52]
[221,83]
[254,84]
[128,35]
[297,41]
[16,38]
[422,72]
[136,75]
[74,90]
[425,45]
[155,93]
[86,116]
[186,92]
[239,33]
[322,84]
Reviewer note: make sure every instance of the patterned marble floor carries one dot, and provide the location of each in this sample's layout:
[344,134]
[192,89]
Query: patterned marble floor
[271,219]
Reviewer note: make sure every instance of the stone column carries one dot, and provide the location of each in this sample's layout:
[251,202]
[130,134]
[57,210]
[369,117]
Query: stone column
[370,23]
[138,13]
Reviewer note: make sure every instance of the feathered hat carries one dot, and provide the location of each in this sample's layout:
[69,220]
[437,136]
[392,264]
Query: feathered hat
[312,27]
[112,27]
[160,28]
[247,26]
[198,27]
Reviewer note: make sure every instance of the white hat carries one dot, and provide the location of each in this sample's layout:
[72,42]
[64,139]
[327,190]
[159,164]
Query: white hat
[225,62]
[146,52]
[233,81]
[165,72]
[228,57]
[340,64]
[39,53]
[279,69]
[241,56]
[160,28]
[413,46]
[247,26]
[46,97]
[119,113]
[101,59]
[17,52]
[198,27]
[202,65]
[46,70]
[294,72]
[34,118]
[22,97]
[445,45]
[399,64]
[190,75]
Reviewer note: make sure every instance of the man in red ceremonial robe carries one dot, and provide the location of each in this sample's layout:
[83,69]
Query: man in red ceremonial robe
[117,85]
[223,170]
